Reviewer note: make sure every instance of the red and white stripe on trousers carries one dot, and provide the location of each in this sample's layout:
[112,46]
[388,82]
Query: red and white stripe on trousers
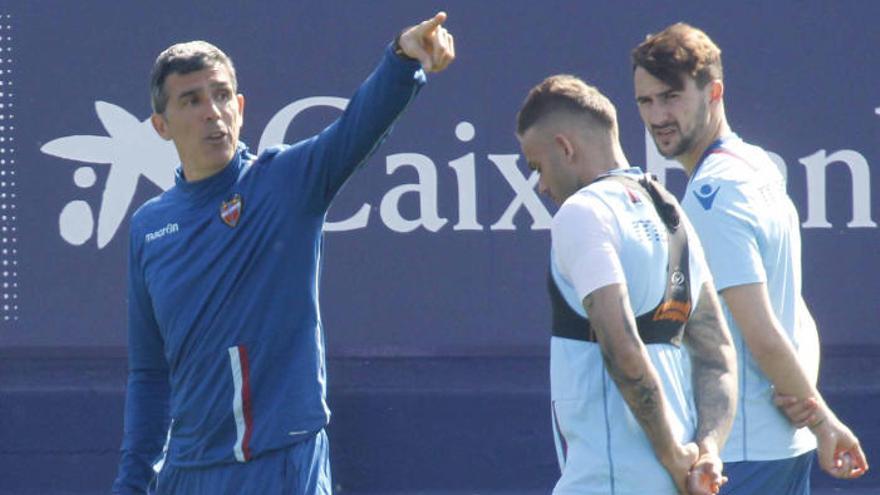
[241,402]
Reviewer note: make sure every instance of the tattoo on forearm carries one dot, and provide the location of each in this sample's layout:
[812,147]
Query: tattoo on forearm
[641,392]
[714,367]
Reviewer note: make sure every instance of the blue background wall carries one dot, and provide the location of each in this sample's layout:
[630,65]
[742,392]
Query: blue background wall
[433,333]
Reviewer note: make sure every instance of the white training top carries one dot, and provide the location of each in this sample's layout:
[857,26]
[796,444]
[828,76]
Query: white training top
[737,202]
[601,235]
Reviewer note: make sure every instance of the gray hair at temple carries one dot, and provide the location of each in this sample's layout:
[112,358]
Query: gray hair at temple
[184,58]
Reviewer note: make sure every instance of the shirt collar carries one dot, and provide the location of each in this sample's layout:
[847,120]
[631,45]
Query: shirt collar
[220,181]
[715,146]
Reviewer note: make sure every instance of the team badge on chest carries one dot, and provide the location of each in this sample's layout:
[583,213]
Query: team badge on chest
[230,211]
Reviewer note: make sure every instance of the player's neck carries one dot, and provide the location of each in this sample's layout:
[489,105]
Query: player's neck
[691,158]
[603,162]
[618,157]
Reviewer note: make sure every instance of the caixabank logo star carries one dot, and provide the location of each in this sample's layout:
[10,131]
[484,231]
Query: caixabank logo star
[131,150]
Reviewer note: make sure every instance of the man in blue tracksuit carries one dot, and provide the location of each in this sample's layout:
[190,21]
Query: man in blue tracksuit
[226,346]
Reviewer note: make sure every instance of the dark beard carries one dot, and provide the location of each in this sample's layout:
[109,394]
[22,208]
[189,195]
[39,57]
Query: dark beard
[687,142]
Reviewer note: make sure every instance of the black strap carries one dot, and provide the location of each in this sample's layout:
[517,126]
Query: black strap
[665,323]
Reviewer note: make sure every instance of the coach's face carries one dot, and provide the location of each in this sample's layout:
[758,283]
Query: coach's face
[676,118]
[546,154]
[203,118]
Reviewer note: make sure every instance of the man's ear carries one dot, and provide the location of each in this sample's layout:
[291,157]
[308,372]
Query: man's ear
[716,90]
[240,98]
[565,145]
[161,125]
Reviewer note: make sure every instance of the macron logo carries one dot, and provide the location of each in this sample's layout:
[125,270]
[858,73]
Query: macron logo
[706,195]
[171,228]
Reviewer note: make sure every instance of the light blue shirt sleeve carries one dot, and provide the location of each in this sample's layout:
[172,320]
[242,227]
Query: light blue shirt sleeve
[720,213]
[585,245]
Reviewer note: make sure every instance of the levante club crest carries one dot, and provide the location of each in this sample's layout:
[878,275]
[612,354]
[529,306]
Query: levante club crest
[230,211]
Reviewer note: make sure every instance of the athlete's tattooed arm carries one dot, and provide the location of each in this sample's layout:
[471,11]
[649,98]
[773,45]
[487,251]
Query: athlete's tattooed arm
[714,378]
[713,361]
[628,363]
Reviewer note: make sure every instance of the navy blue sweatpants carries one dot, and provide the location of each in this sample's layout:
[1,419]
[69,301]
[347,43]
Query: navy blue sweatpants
[779,477]
[301,469]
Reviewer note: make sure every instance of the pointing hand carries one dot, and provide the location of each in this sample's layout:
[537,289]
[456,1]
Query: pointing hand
[429,43]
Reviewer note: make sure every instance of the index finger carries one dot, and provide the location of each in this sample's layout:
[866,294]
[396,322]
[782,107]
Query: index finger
[432,23]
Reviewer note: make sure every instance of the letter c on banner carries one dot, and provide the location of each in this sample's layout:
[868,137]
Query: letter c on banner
[275,130]
[277,127]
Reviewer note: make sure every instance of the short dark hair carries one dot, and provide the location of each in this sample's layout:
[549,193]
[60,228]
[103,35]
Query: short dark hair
[565,93]
[678,50]
[184,58]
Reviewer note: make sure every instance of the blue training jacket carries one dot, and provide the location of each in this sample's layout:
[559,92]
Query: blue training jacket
[225,339]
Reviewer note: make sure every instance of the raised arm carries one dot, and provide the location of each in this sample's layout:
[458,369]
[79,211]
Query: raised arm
[839,451]
[713,359]
[628,363]
[334,154]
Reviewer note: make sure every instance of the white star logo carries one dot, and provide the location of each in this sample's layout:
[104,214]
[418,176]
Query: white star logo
[132,149]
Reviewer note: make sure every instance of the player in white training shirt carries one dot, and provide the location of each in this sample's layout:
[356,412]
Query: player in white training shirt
[737,201]
[629,285]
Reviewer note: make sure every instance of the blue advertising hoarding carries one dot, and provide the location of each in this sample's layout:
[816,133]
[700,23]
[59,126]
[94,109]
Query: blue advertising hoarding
[439,245]
[437,251]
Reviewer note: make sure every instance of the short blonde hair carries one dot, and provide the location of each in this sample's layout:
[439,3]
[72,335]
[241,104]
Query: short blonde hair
[569,94]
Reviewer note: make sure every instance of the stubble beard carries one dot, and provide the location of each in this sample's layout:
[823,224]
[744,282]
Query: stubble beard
[687,142]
